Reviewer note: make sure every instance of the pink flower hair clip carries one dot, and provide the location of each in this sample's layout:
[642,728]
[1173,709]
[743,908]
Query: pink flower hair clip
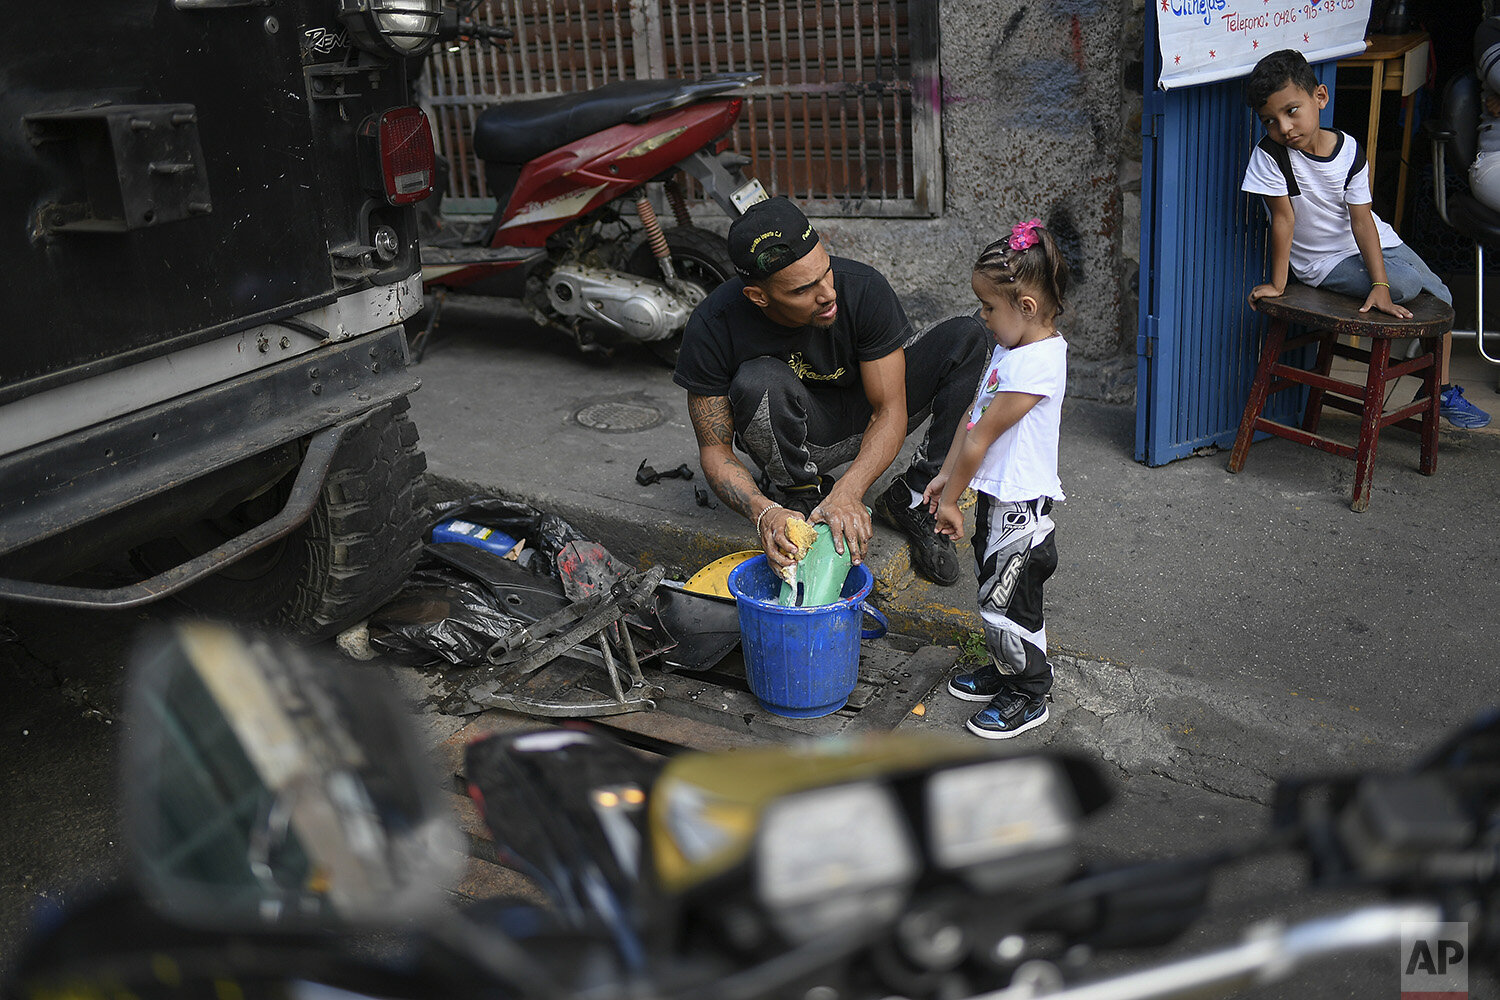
[1023,234]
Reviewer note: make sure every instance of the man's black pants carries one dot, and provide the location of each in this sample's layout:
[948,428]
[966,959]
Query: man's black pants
[795,432]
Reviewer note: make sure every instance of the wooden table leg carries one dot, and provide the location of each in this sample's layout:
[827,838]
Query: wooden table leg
[1369,422]
[1313,415]
[1408,109]
[1377,84]
[1427,464]
[1259,389]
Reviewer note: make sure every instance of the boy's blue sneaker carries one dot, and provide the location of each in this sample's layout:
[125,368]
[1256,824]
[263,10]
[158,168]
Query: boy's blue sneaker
[981,685]
[1459,411]
[1010,714]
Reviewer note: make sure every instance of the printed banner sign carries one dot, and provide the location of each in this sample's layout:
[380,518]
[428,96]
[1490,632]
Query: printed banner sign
[1203,41]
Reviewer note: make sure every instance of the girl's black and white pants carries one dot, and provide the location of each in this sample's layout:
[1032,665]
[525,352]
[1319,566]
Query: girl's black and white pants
[1015,550]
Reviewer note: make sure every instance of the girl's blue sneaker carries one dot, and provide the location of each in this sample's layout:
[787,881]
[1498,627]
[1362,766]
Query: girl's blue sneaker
[982,685]
[1010,714]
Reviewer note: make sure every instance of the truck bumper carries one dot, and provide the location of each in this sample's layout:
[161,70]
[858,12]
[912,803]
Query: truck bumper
[111,467]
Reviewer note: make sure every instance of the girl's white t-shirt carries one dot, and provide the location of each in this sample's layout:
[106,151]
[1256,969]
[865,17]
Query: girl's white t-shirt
[1021,464]
[1325,188]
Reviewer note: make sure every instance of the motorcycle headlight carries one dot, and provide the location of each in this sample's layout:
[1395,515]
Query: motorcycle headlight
[392,27]
[1001,819]
[834,858]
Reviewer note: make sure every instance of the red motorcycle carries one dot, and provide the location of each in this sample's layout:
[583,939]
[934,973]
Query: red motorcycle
[575,234]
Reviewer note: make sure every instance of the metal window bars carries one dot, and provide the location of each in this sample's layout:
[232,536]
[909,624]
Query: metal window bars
[845,119]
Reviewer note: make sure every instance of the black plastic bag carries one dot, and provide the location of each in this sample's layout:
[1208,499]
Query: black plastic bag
[544,534]
[440,616]
[451,610]
[463,599]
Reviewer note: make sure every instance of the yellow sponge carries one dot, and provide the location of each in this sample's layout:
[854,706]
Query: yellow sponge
[802,535]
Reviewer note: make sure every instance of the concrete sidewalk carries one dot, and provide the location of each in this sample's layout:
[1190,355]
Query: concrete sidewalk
[1204,623]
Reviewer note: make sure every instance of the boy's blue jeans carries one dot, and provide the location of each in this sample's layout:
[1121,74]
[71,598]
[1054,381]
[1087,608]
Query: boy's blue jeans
[1407,274]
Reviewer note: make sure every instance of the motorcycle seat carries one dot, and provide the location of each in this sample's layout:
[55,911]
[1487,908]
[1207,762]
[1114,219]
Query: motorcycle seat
[519,131]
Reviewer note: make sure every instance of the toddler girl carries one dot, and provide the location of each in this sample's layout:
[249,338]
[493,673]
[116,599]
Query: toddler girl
[1008,452]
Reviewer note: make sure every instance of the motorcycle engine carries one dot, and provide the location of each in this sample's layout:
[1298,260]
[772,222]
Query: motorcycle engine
[638,307]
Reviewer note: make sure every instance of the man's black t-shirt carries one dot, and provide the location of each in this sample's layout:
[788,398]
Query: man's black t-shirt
[727,329]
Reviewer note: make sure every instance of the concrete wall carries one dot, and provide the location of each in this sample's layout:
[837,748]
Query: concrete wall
[1036,122]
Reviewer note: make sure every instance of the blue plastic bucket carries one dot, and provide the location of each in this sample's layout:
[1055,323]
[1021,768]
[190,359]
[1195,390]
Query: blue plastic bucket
[801,663]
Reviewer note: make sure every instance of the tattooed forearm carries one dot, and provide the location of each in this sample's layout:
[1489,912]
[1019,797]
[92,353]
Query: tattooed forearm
[713,423]
[734,485]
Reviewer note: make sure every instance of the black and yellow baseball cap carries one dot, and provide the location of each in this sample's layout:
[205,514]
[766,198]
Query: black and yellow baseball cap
[769,236]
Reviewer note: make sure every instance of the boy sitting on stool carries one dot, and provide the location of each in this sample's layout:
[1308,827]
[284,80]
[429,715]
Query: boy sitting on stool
[1316,183]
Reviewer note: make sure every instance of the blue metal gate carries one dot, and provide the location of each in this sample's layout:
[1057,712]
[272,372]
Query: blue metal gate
[1202,250]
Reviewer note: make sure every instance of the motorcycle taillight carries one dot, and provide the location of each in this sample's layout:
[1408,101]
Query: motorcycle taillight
[399,142]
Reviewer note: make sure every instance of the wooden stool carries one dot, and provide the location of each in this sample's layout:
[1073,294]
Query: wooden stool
[1327,315]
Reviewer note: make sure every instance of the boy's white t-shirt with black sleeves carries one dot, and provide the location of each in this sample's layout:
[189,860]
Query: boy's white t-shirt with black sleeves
[1321,188]
[1021,464]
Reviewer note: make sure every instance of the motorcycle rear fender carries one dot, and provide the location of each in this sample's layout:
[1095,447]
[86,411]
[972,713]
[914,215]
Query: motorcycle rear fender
[574,180]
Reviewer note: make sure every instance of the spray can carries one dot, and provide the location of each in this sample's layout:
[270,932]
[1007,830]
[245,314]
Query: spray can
[478,535]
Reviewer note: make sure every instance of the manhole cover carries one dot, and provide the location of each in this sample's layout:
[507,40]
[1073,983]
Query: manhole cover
[618,416]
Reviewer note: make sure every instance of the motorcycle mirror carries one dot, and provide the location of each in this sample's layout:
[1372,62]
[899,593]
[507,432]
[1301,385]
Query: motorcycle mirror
[268,785]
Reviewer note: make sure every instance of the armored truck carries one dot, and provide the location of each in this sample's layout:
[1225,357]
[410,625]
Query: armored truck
[207,252]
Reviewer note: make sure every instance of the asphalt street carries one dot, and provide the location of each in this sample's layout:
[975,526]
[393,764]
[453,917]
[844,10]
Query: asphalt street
[1216,629]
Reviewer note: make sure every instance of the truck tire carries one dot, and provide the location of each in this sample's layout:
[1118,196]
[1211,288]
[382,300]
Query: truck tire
[352,555]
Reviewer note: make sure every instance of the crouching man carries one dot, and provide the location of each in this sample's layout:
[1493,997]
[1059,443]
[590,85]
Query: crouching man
[806,363]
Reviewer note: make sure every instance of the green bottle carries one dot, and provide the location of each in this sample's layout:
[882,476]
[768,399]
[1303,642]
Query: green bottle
[818,577]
